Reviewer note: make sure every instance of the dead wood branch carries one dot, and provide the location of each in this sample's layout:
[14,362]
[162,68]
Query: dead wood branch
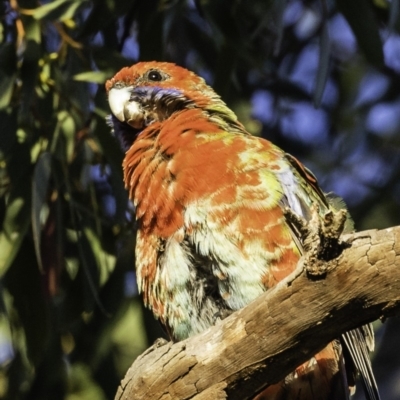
[277,332]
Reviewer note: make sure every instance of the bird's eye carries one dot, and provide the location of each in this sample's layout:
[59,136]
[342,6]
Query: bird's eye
[154,76]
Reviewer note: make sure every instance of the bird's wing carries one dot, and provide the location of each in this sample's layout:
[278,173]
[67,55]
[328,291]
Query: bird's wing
[357,342]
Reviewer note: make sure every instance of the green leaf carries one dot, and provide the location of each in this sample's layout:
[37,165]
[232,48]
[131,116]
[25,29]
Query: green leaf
[93,76]
[15,226]
[361,18]
[105,262]
[14,342]
[58,10]
[40,184]
[32,28]
[64,135]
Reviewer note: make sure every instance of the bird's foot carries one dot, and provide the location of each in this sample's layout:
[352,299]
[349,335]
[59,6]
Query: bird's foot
[319,237]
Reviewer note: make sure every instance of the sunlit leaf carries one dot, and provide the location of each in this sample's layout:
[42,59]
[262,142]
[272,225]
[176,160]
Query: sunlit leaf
[15,225]
[17,212]
[104,261]
[58,9]
[14,348]
[64,134]
[32,28]
[93,76]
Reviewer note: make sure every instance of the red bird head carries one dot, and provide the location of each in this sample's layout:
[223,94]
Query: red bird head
[149,92]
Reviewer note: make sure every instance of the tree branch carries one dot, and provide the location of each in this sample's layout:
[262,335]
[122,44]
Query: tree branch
[284,327]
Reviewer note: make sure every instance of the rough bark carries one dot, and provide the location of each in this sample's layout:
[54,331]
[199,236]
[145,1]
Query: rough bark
[265,341]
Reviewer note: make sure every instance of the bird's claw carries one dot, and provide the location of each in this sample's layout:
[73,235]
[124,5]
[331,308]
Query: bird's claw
[319,237]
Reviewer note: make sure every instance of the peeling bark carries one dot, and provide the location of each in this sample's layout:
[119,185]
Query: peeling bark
[284,327]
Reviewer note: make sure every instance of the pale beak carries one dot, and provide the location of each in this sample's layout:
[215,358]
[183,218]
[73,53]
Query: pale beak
[124,109]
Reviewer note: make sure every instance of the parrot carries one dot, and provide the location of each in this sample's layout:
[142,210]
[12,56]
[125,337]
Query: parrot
[212,233]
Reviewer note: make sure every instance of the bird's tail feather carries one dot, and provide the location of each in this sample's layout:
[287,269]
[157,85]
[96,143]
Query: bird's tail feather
[357,343]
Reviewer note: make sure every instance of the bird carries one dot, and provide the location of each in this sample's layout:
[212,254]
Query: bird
[212,233]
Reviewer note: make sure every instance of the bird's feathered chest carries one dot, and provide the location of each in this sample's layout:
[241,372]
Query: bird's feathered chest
[212,234]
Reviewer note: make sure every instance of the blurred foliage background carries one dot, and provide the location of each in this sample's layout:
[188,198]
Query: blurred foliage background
[321,79]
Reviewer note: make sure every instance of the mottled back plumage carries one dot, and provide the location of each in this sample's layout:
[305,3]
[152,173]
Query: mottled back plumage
[212,234]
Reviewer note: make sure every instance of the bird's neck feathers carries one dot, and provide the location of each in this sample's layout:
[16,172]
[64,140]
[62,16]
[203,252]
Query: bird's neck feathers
[214,108]
[225,118]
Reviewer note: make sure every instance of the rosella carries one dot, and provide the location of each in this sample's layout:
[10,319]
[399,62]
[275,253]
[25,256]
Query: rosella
[209,201]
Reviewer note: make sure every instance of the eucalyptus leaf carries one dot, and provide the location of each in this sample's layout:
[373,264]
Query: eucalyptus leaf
[58,9]
[15,226]
[66,126]
[40,185]
[31,28]
[93,76]
[105,262]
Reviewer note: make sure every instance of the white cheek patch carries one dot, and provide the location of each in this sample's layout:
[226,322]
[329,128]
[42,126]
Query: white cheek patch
[124,109]
[117,99]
